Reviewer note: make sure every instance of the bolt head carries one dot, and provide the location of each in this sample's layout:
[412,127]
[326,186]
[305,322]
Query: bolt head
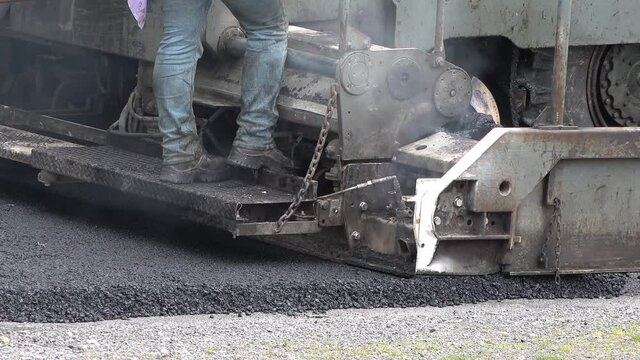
[364,206]
[458,202]
[437,221]
[356,235]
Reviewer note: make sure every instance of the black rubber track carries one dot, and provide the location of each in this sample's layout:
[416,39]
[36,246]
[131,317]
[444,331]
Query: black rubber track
[65,259]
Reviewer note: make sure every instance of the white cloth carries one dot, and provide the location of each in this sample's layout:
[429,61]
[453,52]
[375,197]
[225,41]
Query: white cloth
[139,11]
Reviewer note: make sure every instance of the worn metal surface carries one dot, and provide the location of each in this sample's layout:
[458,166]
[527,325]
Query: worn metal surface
[371,216]
[438,41]
[537,153]
[616,86]
[529,24]
[230,201]
[507,170]
[18,144]
[377,116]
[266,228]
[438,152]
[15,117]
[302,99]
[452,93]
[296,59]
[72,130]
[102,25]
[599,227]
[108,25]
[561,56]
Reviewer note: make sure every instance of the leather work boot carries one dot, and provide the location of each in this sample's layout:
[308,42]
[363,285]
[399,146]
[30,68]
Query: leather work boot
[272,159]
[206,169]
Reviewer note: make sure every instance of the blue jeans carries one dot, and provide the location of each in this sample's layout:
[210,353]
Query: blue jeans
[265,25]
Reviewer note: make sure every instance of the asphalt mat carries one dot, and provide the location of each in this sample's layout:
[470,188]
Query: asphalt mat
[82,253]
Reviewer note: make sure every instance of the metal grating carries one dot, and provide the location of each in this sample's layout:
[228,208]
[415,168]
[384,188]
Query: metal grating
[18,144]
[138,174]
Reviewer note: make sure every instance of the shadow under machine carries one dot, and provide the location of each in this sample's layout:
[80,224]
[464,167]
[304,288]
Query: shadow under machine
[464,137]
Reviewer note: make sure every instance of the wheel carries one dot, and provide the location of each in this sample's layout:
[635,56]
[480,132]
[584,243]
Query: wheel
[603,86]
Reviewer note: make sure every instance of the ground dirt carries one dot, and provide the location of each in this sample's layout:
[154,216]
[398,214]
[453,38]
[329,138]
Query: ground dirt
[84,254]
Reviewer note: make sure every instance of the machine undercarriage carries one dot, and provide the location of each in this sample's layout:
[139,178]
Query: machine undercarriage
[450,159]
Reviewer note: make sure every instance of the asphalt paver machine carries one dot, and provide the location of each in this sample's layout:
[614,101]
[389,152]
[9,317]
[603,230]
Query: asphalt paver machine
[448,137]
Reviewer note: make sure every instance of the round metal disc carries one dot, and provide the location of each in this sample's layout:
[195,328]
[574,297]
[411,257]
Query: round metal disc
[354,73]
[404,79]
[452,92]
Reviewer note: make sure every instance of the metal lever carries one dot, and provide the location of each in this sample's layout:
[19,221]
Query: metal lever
[561,56]
[438,50]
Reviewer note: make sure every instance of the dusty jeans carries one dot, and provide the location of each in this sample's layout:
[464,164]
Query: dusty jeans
[265,25]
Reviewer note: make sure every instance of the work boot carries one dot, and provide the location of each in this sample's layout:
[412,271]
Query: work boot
[272,159]
[205,169]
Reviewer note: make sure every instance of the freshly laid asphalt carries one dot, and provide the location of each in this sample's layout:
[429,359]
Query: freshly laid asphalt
[83,253]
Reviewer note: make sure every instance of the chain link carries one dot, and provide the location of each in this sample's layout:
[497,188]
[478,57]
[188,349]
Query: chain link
[557,212]
[315,161]
[554,226]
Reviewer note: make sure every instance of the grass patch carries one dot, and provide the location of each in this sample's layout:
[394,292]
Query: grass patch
[453,357]
[209,350]
[635,337]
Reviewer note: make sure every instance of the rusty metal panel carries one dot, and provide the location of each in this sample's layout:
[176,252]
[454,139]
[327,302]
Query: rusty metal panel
[521,172]
[512,167]
[528,23]
[599,223]
[438,152]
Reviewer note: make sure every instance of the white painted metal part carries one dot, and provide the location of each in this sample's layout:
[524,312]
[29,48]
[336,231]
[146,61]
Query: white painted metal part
[427,193]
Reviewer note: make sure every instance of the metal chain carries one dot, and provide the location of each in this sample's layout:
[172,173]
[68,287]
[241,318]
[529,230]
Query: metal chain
[315,161]
[557,212]
[554,224]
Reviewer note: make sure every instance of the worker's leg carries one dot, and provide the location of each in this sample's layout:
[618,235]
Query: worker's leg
[265,25]
[173,77]
[174,73]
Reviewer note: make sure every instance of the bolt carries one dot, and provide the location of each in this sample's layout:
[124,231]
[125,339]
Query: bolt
[364,206]
[458,202]
[437,221]
[453,93]
[355,236]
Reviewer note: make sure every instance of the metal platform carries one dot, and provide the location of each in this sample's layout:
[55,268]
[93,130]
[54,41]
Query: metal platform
[242,207]
[17,144]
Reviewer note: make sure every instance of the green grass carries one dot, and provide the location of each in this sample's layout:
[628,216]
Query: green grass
[209,350]
[453,357]
[635,337]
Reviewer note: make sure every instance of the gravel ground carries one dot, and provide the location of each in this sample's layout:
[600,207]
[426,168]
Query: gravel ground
[68,260]
[514,329]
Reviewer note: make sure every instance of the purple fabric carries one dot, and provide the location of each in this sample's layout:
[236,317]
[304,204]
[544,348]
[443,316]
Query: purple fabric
[139,11]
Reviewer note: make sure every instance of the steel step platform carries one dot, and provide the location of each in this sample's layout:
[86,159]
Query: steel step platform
[243,207]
